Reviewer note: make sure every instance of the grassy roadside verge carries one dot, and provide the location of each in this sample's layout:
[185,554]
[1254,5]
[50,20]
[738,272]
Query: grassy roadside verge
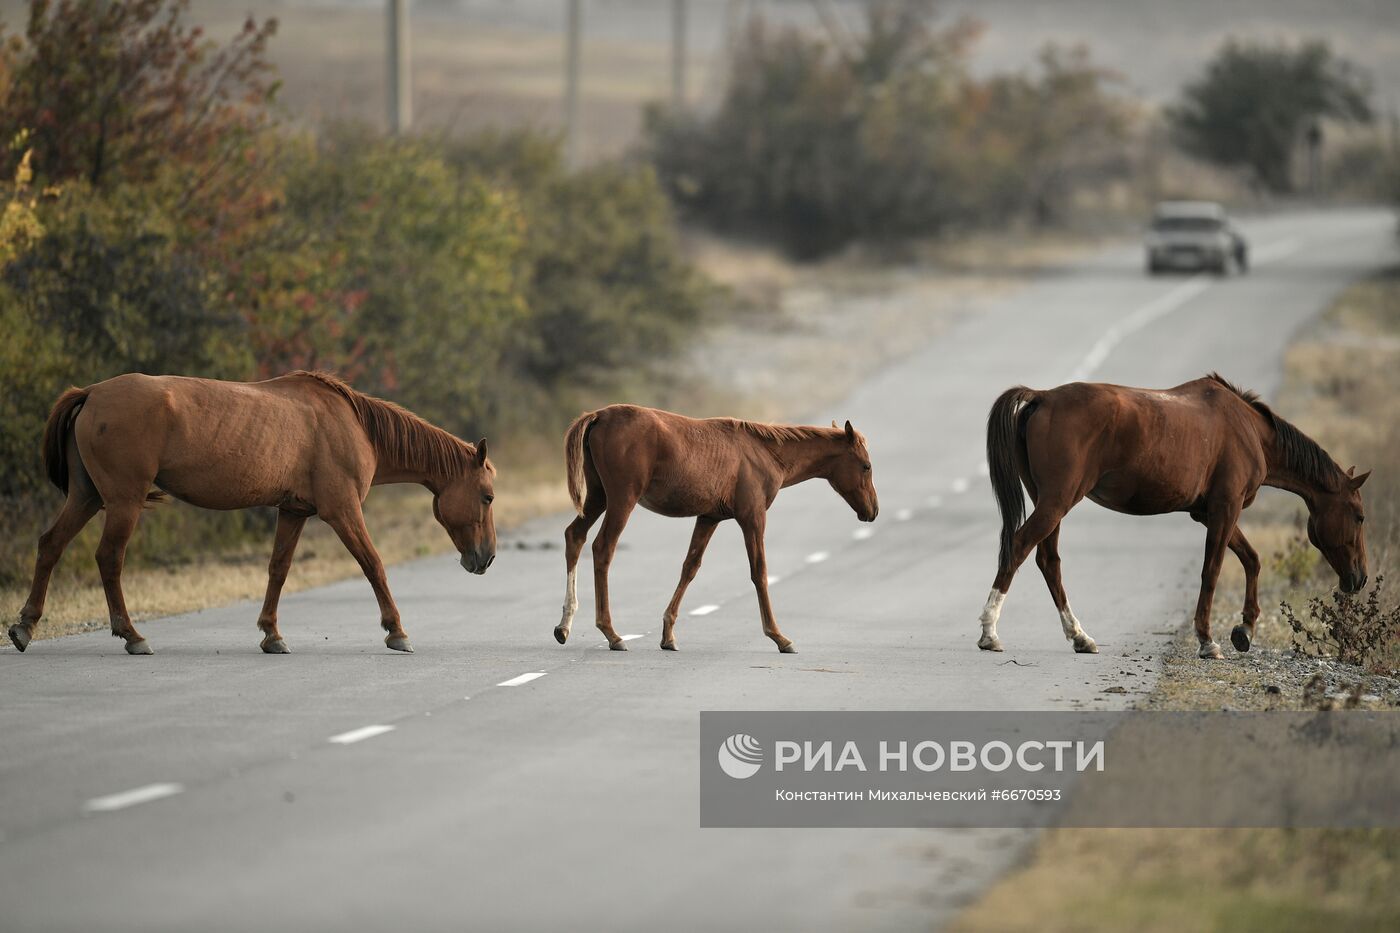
[1341,386]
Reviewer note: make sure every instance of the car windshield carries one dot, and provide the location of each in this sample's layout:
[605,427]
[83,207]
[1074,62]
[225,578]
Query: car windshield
[1186,224]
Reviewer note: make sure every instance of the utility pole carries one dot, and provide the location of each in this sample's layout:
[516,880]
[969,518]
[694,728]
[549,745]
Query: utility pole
[400,89]
[678,54]
[571,65]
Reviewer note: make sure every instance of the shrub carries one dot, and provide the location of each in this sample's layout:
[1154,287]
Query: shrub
[817,143]
[1353,630]
[1254,102]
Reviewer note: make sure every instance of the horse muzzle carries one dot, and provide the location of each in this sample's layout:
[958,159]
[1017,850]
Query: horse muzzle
[477,563]
[1353,582]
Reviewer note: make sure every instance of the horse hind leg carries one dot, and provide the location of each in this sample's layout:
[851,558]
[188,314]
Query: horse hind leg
[575,536]
[704,529]
[78,509]
[1045,519]
[1047,557]
[284,545]
[122,518]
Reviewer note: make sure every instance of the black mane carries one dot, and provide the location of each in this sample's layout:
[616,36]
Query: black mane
[1300,453]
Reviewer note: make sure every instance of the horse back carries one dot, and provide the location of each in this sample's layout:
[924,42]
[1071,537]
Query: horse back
[1145,451]
[221,444]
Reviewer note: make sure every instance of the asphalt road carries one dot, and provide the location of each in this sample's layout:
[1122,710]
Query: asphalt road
[569,800]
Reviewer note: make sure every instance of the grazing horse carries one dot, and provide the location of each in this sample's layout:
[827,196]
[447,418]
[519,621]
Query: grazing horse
[305,443]
[1203,448]
[711,469]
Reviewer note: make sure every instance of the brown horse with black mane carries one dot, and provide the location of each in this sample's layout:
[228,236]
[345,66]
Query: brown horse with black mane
[1203,448]
[305,443]
[712,469]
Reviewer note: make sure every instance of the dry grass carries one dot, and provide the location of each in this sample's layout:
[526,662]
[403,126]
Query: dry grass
[1342,386]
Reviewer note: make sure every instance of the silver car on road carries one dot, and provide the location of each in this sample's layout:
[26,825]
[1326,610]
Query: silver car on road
[1194,235]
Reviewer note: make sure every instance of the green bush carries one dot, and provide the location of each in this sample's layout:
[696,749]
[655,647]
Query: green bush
[1255,102]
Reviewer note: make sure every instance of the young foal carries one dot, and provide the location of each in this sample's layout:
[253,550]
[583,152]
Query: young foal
[305,443]
[1204,448]
[713,469]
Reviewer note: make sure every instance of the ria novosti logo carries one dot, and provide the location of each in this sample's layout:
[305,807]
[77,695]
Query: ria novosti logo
[741,756]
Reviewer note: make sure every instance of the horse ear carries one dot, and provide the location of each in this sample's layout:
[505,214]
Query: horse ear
[833,422]
[1356,481]
[481,451]
[850,432]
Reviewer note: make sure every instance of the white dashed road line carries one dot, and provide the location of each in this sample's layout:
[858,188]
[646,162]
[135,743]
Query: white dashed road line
[522,679]
[903,515]
[704,610]
[772,580]
[861,534]
[1136,321]
[359,735]
[817,557]
[130,798]
[933,502]
[961,485]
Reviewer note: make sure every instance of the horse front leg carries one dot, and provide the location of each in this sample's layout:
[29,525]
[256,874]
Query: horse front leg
[348,522]
[753,527]
[1220,524]
[699,539]
[1243,633]
[284,545]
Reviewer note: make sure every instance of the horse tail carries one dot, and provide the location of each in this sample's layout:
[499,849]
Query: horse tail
[1004,441]
[56,430]
[574,456]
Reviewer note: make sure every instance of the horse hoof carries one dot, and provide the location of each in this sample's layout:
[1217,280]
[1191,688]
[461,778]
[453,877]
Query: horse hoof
[1083,644]
[19,634]
[787,649]
[139,647]
[668,646]
[990,643]
[618,645]
[276,646]
[1210,651]
[561,634]
[399,643]
[1239,637]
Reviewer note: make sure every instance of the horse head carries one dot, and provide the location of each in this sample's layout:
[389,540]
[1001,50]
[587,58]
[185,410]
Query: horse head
[852,477]
[462,505]
[1334,527]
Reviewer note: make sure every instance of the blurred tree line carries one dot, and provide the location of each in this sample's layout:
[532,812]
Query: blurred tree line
[156,218]
[884,134]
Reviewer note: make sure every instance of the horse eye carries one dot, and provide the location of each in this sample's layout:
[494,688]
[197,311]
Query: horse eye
[488,498]
[1360,519]
[865,468]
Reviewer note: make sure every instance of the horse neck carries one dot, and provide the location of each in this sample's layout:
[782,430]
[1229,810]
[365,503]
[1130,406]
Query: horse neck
[1279,474]
[806,459]
[388,472]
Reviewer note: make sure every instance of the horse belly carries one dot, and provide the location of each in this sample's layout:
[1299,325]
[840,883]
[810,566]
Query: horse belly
[1138,496]
[244,459]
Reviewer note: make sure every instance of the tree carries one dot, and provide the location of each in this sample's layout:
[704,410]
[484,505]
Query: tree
[1255,102]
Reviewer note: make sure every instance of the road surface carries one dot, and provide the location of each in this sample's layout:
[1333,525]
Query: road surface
[203,788]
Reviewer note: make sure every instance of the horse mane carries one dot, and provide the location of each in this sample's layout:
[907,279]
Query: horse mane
[1301,454]
[780,433]
[398,435]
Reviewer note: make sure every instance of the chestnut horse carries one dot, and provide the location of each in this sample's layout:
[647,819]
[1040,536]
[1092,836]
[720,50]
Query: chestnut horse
[305,443]
[712,469]
[1203,448]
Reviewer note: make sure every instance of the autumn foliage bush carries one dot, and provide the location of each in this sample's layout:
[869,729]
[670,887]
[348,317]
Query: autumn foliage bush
[155,217]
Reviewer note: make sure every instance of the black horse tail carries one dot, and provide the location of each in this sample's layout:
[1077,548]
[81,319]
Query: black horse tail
[56,431]
[1004,440]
